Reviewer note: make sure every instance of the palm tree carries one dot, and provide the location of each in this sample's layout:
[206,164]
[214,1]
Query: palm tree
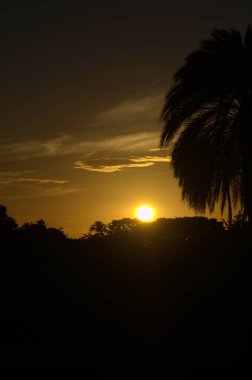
[208,119]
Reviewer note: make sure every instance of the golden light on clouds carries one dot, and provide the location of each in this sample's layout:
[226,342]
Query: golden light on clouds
[137,162]
[145,213]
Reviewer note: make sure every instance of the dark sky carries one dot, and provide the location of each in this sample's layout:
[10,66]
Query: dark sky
[82,86]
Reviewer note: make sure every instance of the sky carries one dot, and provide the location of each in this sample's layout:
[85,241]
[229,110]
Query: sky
[82,88]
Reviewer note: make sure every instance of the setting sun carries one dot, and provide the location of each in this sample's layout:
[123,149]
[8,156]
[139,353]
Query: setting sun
[145,213]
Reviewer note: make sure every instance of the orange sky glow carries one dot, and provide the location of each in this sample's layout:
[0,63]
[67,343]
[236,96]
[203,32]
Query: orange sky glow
[81,96]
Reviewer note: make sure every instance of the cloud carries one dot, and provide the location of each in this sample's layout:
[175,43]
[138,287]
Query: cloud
[36,148]
[152,159]
[39,192]
[109,168]
[138,162]
[13,177]
[138,112]
[18,185]
[17,173]
[129,126]
[156,149]
[67,145]
[31,180]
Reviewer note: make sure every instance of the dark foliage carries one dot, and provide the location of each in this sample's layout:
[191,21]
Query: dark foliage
[209,113]
[8,226]
[175,292]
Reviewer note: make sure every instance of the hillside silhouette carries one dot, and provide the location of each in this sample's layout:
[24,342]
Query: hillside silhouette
[172,292]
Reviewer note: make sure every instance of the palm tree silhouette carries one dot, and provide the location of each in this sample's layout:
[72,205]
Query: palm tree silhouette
[208,118]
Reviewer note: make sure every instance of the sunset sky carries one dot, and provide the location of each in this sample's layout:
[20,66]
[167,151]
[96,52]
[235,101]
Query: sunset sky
[82,87]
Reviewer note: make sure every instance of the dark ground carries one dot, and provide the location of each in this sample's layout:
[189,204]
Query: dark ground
[173,295]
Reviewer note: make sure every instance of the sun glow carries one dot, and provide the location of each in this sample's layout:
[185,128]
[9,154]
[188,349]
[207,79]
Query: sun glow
[145,213]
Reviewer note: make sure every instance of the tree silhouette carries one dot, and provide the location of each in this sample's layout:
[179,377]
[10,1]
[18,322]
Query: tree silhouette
[208,116]
[98,229]
[38,231]
[122,225]
[7,224]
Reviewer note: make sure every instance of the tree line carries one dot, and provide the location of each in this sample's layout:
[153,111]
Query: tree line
[183,227]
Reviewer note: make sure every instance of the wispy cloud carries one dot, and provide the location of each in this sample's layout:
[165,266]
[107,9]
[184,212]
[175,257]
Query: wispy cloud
[151,159]
[37,148]
[138,112]
[39,192]
[31,180]
[156,149]
[109,168]
[17,173]
[138,162]
[129,126]
[24,176]
[67,145]
[20,185]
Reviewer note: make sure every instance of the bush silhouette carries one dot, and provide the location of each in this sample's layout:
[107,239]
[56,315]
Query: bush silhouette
[173,290]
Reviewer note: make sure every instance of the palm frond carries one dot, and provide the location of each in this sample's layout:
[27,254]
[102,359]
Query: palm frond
[209,111]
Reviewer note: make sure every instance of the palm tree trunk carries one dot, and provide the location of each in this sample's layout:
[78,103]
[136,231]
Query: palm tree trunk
[247,180]
[245,144]
[230,211]
[248,195]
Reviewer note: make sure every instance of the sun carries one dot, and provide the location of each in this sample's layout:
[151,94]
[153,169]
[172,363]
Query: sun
[145,213]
